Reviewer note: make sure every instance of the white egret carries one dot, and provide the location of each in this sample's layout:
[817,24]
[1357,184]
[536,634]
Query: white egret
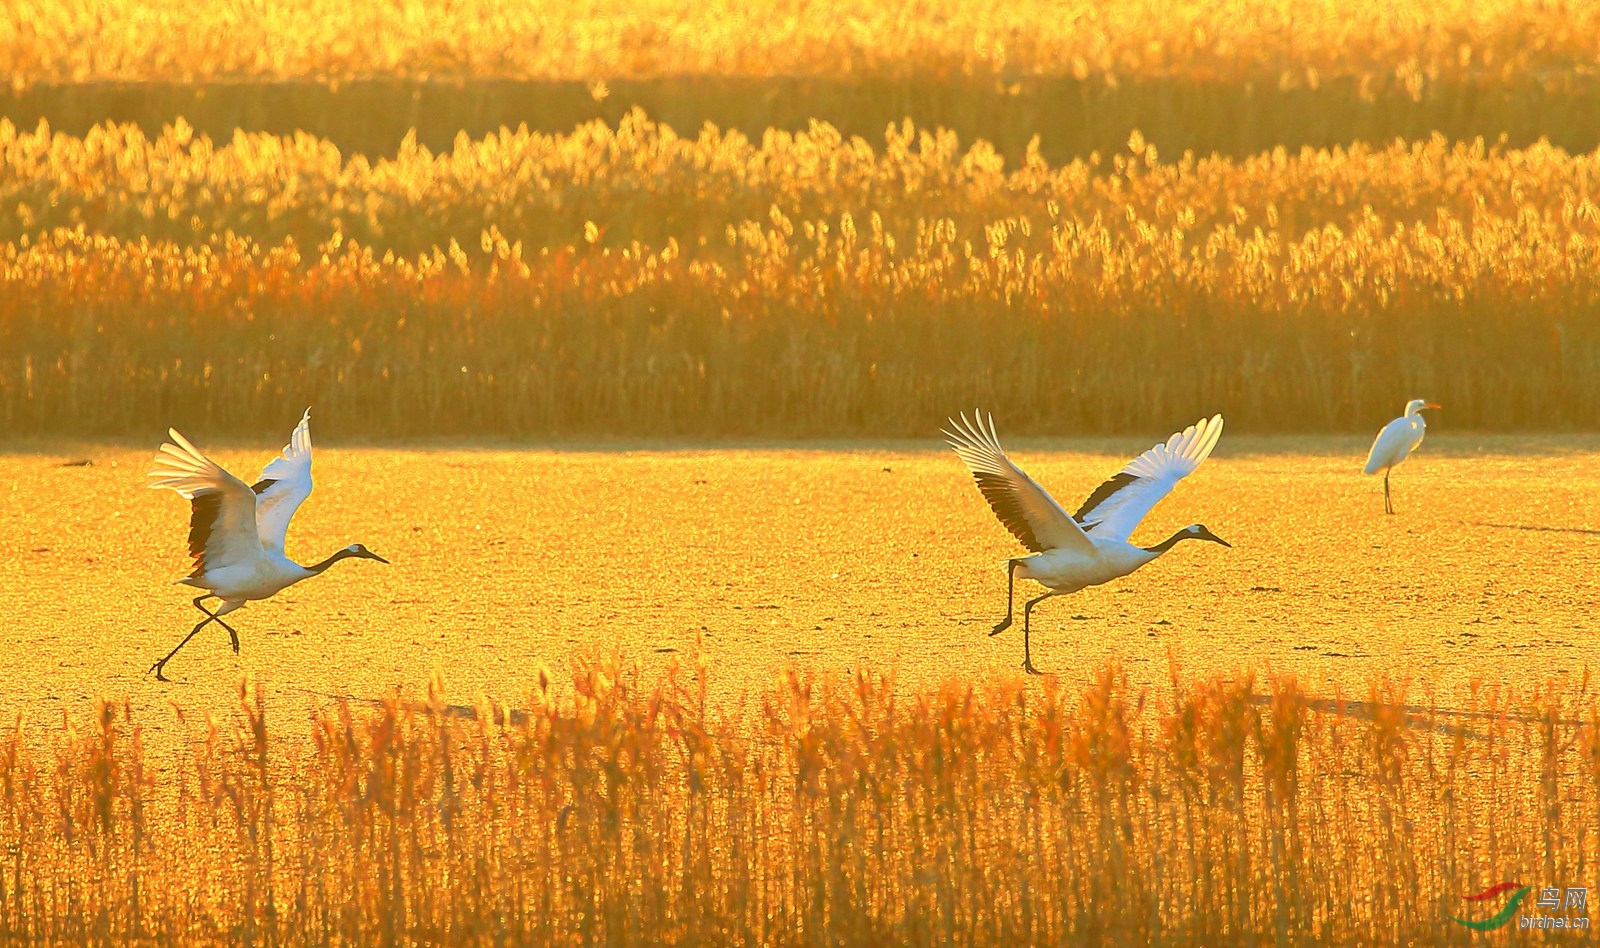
[236,531]
[1071,553]
[1396,442]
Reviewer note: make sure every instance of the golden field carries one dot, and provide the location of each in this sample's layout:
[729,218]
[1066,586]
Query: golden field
[758,702]
[569,284]
[632,281]
[511,559]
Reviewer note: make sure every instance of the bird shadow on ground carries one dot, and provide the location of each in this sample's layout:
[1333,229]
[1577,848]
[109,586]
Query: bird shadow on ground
[1536,528]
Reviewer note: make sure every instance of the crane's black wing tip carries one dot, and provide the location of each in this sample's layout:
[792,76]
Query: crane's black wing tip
[1105,492]
[205,509]
[1001,494]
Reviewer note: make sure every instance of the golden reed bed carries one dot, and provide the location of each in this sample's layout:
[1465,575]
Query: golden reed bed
[630,280]
[1297,41]
[835,809]
[1236,77]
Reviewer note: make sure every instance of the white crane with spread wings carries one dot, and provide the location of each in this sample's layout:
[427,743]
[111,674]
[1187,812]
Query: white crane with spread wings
[1090,548]
[236,530]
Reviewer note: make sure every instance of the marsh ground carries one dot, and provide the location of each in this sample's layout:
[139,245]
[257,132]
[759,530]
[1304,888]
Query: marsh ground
[506,559]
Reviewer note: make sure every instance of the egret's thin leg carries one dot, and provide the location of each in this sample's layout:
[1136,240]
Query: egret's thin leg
[158,666]
[233,635]
[1027,654]
[1011,586]
[1388,505]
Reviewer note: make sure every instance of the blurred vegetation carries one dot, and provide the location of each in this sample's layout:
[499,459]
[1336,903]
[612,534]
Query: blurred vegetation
[1072,118]
[629,280]
[1236,77]
[405,213]
[1266,42]
[843,810]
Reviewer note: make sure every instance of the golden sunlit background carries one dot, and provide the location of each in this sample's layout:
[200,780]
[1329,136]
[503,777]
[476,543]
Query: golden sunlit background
[629,330]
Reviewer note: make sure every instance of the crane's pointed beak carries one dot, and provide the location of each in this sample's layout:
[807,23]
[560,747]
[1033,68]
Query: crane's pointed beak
[373,556]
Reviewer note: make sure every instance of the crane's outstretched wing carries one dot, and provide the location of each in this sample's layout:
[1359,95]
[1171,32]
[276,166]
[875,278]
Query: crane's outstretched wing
[285,483]
[1031,514]
[222,518]
[1117,506]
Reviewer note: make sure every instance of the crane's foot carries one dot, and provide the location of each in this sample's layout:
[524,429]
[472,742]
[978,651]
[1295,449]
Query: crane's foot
[234,636]
[1027,666]
[1004,625]
[157,668]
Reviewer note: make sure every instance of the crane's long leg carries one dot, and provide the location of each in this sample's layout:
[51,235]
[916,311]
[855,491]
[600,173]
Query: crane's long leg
[158,666]
[1027,654]
[1388,505]
[233,634]
[1011,587]
[210,617]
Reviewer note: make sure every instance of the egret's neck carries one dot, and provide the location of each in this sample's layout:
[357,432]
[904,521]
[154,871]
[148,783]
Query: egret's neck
[1170,542]
[319,567]
[1413,412]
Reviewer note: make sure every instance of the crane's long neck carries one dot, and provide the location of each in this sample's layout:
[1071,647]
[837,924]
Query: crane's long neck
[319,567]
[1171,542]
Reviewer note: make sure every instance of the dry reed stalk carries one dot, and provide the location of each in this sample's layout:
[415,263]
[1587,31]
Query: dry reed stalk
[834,809]
[1304,292]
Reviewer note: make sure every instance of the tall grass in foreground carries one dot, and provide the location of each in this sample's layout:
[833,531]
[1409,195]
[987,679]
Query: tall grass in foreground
[831,809]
